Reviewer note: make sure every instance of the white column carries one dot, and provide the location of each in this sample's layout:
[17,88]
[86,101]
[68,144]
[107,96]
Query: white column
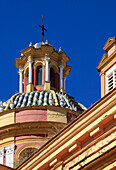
[20,81]
[47,68]
[30,70]
[61,76]
[2,156]
[10,155]
[64,83]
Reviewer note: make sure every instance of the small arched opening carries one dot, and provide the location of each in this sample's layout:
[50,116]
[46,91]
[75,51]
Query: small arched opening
[52,77]
[39,75]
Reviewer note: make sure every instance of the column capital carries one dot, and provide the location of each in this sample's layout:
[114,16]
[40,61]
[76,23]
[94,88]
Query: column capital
[10,149]
[102,74]
[47,54]
[61,66]
[20,71]
[47,59]
[30,61]
[1,152]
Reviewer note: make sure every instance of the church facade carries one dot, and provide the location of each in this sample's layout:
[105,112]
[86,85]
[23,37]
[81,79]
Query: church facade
[45,128]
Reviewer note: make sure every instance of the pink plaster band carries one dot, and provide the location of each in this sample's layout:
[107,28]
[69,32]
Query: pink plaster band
[39,88]
[31,115]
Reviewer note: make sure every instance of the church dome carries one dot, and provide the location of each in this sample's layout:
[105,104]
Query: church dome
[43,98]
[41,108]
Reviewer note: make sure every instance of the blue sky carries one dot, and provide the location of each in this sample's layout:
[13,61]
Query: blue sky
[81,28]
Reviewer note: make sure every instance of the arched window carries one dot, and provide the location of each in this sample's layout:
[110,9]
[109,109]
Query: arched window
[52,77]
[25,154]
[39,75]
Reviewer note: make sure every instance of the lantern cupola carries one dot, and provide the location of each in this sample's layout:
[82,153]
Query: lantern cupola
[42,67]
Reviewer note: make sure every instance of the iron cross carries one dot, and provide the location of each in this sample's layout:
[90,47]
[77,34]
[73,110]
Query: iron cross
[43,29]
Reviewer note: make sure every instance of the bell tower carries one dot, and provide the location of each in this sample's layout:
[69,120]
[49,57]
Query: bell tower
[107,67]
[42,67]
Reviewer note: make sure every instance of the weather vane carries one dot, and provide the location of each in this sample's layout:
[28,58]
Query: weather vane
[43,29]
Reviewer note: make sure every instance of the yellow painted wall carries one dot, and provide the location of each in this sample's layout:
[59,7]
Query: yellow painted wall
[7,119]
[6,142]
[57,116]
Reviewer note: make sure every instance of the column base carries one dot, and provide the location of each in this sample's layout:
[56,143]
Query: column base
[47,85]
[30,87]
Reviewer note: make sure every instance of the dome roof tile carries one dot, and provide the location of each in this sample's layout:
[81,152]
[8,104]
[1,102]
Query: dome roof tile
[43,98]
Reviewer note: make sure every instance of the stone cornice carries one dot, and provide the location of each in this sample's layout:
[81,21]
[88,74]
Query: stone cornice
[59,57]
[40,108]
[34,127]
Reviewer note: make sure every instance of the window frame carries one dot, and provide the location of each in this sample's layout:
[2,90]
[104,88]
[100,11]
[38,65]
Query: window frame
[111,71]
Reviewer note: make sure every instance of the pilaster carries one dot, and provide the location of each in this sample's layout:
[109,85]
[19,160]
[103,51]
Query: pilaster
[2,156]
[47,85]
[102,84]
[29,87]
[10,155]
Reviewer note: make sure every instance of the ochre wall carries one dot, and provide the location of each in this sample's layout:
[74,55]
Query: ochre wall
[6,118]
[57,116]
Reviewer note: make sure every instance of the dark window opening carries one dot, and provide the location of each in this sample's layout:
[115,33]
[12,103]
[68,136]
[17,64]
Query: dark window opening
[39,75]
[52,77]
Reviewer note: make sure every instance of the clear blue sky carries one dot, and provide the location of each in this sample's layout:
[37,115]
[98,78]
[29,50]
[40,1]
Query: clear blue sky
[81,28]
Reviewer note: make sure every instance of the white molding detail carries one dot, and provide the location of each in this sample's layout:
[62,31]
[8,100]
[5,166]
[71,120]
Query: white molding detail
[10,155]
[2,156]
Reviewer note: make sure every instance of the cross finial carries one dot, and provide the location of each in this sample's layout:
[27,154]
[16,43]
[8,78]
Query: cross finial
[43,29]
